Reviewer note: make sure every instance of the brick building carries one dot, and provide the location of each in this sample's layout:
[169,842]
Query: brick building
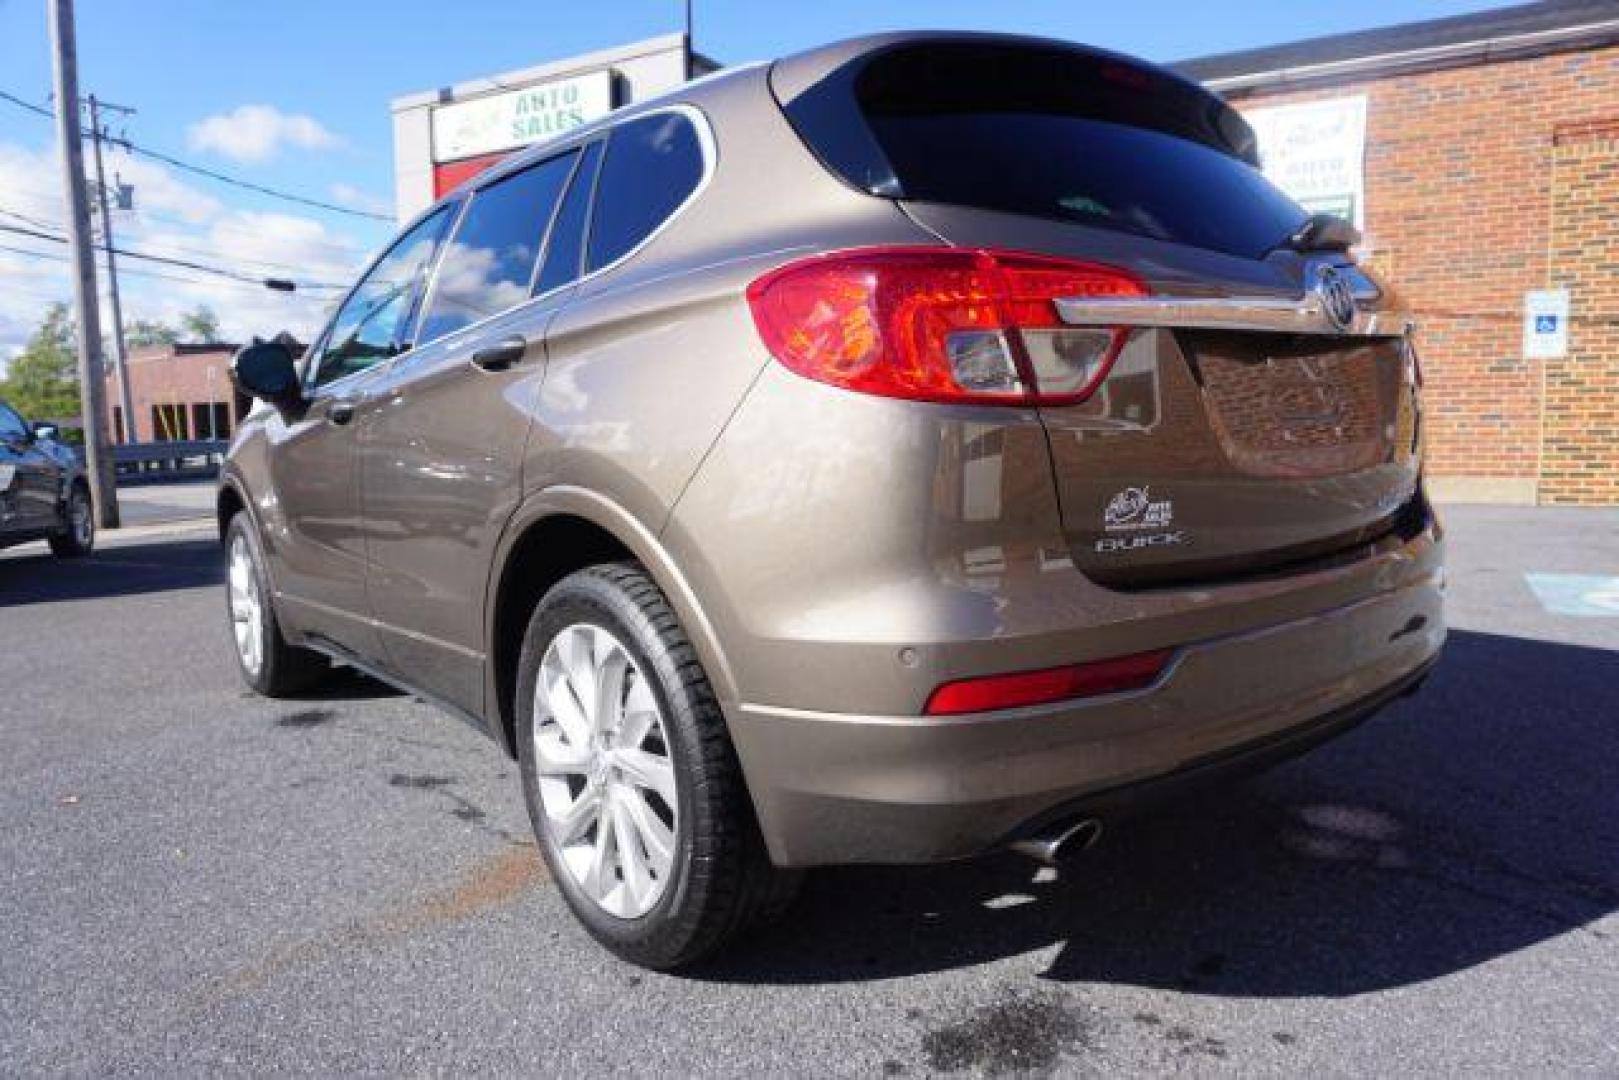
[1487,170]
[178,392]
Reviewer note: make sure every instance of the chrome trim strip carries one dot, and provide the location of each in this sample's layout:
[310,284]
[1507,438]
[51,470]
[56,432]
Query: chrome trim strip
[1301,315]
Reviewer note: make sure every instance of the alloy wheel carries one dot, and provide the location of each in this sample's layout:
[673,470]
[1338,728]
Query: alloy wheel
[246,606]
[80,519]
[605,773]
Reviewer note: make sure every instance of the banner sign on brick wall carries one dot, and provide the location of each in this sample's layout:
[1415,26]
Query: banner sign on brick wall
[1316,152]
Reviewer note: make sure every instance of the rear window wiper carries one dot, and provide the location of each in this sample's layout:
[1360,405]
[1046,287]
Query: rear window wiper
[1323,232]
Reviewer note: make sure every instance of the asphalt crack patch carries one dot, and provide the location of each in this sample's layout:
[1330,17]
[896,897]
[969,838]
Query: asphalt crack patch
[461,807]
[1023,1033]
[492,883]
[306,718]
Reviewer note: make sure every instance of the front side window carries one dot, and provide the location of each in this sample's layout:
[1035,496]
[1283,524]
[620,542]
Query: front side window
[369,327]
[490,261]
[653,165]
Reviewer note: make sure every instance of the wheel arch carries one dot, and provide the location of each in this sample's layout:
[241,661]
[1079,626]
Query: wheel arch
[228,502]
[231,499]
[556,531]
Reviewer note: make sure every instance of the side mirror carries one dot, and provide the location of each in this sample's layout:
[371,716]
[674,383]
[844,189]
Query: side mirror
[265,369]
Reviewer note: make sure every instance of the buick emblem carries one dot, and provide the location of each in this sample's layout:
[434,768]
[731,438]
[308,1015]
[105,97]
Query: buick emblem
[1337,298]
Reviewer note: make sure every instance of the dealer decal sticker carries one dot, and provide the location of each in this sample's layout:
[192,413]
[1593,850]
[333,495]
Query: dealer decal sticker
[1135,511]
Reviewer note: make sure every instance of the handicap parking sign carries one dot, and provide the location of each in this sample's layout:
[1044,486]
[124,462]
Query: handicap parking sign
[1545,324]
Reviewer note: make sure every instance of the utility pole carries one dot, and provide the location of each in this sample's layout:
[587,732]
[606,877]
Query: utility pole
[119,356]
[92,391]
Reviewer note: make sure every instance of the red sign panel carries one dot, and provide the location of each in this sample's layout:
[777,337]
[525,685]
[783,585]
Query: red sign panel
[452,174]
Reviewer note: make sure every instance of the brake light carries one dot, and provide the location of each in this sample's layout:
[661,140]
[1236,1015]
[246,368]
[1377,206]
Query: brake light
[1051,684]
[941,324]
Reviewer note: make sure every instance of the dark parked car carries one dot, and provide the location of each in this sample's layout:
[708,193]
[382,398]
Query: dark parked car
[43,492]
[913,447]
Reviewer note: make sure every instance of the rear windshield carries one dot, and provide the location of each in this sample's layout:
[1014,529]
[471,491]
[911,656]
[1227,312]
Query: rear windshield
[1063,134]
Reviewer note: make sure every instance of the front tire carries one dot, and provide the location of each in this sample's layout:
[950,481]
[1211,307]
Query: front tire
[634,790]
[78,537]
[267,663]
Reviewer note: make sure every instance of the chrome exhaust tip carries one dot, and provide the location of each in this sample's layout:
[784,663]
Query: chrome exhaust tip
[1060,843]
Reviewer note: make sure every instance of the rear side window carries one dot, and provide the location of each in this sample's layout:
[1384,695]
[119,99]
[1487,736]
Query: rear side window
[490,260]
[565,251]
[1061,134]
[653,165]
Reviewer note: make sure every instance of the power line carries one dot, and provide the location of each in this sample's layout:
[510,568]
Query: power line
[29,105]
[52,200]
[213,174]
[163,259]
[163,246]
[251,186]
[157,275]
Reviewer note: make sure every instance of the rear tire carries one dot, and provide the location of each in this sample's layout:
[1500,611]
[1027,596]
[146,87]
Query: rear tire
[663,891]
[78,538]
[267,663]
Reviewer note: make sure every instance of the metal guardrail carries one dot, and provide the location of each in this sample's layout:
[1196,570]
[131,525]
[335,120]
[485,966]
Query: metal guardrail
[176,451]
[176,456]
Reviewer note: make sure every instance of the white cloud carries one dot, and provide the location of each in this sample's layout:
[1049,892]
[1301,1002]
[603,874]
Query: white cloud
[175,219]
[351,196]
[257,133]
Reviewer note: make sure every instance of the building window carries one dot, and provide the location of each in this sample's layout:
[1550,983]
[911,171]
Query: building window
[169,423]
[211,419]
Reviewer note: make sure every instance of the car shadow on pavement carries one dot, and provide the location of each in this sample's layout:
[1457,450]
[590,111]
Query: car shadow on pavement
[125,570]
[1471,821]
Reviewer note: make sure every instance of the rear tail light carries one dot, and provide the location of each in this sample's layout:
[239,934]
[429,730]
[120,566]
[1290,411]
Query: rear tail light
[940,324]
[1046,686]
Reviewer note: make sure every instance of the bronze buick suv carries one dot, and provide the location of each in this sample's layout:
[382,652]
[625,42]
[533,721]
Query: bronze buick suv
[913,447]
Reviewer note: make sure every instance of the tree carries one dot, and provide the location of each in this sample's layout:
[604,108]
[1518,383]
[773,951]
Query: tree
[200,326]
[42,381]
[150,332]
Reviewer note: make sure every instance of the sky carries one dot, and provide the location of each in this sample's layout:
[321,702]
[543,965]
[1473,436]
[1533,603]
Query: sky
[294,95]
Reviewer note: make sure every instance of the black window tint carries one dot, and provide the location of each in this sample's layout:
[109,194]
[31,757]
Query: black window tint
[490,260]
[652,165]
[565,249]
[1061,133]
[1092,173]
[369,325]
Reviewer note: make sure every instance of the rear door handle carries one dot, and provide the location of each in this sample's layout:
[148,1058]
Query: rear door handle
[501,355]
[341,412]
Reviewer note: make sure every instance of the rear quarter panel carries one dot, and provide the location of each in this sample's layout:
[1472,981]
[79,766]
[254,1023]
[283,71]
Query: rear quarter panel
[648,361]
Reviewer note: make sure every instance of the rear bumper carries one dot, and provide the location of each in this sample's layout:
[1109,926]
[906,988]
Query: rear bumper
[837,788]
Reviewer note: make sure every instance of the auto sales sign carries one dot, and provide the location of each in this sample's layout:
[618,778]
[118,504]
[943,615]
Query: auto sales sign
[1315,151]
[514,118]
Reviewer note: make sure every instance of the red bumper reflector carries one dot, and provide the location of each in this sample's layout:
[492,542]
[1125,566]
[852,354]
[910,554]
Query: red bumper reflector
[1048,685]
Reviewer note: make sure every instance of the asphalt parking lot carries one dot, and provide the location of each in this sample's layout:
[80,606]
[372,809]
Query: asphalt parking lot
[194,880]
